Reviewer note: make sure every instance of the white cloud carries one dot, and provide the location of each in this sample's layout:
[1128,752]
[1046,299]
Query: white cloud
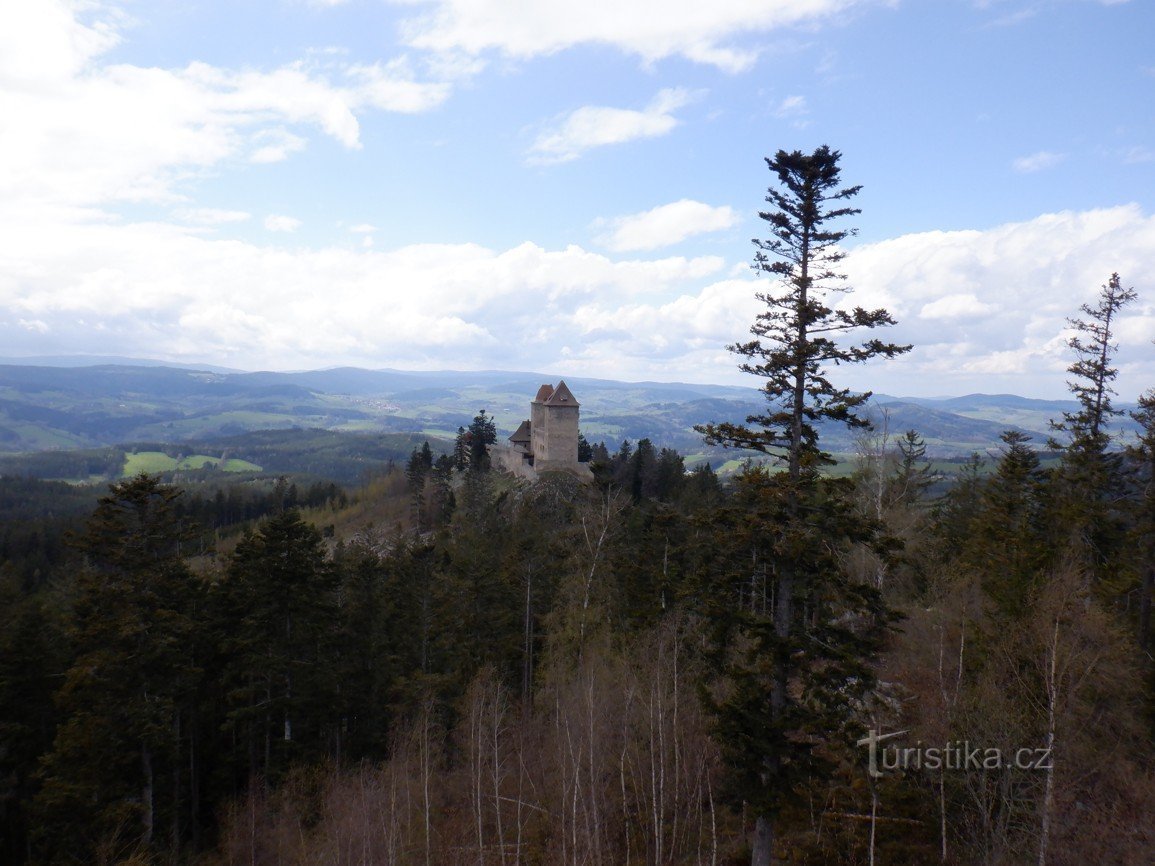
[91,133]
[665,225]
[651,29]
[987,310]
[1138,154]
[148,288]
[791,106]
[46,43]
[281,223]
[959,306]
[209,216]
[275,145]
[597,126]
[34,325]
[1039,161]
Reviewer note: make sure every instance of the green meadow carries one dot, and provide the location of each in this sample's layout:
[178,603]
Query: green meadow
[157,461]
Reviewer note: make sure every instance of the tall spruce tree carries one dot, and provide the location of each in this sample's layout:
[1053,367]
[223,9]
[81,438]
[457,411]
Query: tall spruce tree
[784,654]
[1089,477]
[280,595]
[482,433]
[115,778]
[1007,545]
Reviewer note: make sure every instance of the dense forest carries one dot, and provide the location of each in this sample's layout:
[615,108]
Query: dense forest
[660,667]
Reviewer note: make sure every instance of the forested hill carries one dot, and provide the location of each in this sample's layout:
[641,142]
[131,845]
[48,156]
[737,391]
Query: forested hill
[448,665]
[53,407]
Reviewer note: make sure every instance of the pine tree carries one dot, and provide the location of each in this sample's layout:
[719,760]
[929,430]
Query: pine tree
[33,652]
[461,450]
[482,433]
[113,777]
[785,646]
[417,470]
[1007,545]
[1089,477]
[1094,353]
[280,594]
[795,336]
[915,474]
[585,451]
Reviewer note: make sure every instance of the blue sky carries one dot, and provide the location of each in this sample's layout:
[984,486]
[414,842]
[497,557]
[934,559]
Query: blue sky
[567,187]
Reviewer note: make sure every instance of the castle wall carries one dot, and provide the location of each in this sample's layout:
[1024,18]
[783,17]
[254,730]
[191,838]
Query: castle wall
[560,438]
[537,444]
[510,458]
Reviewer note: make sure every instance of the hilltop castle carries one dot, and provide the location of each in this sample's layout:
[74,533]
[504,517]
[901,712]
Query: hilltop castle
[548,440]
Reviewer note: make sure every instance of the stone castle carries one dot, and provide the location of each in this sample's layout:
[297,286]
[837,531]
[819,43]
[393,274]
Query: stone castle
[548,440]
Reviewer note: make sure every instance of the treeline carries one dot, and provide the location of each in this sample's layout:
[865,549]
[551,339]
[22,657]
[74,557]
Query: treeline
[38,519]
[343,457]
[80,464]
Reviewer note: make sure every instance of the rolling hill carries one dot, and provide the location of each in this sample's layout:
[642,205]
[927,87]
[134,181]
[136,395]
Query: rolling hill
[52,408]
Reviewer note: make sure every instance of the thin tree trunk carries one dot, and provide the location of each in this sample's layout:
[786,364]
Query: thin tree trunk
[498,713]
[591,765]
[476,721]
[1145,607]
[763,841]
[527,652]
[873,818]
[146,795]
[176,786]
[425,777]
[1049,791]
[194,782]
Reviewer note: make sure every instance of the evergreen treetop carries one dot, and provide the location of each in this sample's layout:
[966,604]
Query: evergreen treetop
[796,336]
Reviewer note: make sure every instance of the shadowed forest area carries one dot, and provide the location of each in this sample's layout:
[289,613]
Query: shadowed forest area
[534,674]
[449,666]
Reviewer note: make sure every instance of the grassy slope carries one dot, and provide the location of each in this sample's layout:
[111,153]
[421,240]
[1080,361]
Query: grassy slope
[157,461]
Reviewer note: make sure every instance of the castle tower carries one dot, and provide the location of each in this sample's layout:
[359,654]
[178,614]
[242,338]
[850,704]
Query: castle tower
[548,440]
[559,439]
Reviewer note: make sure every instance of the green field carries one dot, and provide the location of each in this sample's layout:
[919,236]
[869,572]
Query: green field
[157,461]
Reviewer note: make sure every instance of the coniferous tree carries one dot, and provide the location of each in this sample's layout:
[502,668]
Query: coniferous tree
[417,470]
[1093,370]
[795,337]
[443,499]
[280,593]
[1089,476]
[33,651]
[585,450]
[783,648]
[641,469]
[461,450]
[114,775]
[482,433]
[1007,545]
[954,514]
[915,474]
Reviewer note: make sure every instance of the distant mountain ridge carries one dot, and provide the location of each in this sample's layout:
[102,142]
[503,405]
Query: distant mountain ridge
[48,406]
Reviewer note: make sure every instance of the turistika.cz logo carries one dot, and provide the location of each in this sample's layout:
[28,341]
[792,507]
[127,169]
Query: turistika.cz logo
[959,755]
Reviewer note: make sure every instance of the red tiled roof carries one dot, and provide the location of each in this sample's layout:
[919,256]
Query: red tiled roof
[561,396]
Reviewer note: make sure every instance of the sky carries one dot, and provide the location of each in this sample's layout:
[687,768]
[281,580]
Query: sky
[570,188]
